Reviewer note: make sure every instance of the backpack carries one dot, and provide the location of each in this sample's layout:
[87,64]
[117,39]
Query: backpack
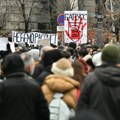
[59,110]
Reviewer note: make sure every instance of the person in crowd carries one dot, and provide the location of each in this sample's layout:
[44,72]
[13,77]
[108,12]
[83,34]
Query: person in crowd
[72,49]
[11,45]
[43,50]
[61,81]
[39,68]
[48,59]
[72,45]
[83,52]
[20,96]
[29,62]
[87,115]
[102,87]
[90,64]
[34,53]
[66,54]
[96,59]
[79,73]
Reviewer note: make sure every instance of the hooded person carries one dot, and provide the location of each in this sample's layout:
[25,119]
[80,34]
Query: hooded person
[102,87]
[61,81]
[21,95]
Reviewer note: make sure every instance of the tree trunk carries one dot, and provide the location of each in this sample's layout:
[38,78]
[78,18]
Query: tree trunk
[26,26]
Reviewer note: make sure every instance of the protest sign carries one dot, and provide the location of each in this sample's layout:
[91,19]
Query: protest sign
[30,38]
[75,26]
[3,44]
[44,42]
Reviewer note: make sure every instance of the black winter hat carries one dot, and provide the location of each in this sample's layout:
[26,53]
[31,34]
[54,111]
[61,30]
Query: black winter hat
[12,63]
[110,54]
[51,56]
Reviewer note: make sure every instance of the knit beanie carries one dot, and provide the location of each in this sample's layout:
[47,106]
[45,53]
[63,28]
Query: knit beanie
[110,54]
[63,67]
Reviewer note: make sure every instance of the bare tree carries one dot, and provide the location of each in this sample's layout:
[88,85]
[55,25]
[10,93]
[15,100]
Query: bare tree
[4,12]
[57,7]
[26,8]
[112,20]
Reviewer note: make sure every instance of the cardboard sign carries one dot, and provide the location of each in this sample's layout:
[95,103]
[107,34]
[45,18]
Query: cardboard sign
[75,26]
[3,44]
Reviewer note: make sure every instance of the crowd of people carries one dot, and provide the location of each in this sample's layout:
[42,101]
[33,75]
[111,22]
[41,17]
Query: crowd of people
[86,75]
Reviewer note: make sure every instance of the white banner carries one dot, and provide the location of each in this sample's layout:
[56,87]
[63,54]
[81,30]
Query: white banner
[75,26]
[32,38]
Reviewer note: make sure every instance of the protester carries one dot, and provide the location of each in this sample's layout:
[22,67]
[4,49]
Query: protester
[48,59]
[82,53]
[39,68]
[43,50]
[61,81]
[87,115]
[102,87]
[20,96]
[29,63]
[96,59]
[79,73]
[90,64]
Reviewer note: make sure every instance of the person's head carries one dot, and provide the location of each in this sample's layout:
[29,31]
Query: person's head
[96,59]
[65,54]
[63,67]
[110,54]
[91,66]
[12,63]
[72,45]
[34,53]
[71,50]
[79,72]
[83,52]
[28,62]
[51,56]
[44,49]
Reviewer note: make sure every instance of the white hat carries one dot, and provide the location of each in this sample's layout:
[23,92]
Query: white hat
[63,67]
[96,59]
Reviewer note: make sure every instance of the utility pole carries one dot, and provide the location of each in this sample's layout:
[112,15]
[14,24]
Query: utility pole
[99,16]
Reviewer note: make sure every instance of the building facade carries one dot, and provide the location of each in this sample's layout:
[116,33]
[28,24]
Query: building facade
[34,12]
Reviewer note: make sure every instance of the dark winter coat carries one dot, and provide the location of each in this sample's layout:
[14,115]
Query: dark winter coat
[102,92]
[44,74]
[22,99]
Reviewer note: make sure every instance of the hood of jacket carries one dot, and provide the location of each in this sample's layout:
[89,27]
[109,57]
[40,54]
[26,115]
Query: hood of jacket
[108,74]
[61,83]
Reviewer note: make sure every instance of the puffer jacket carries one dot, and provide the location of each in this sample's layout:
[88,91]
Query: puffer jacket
[66,85]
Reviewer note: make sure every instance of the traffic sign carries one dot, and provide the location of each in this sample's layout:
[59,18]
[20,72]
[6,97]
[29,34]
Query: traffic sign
[60,19]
